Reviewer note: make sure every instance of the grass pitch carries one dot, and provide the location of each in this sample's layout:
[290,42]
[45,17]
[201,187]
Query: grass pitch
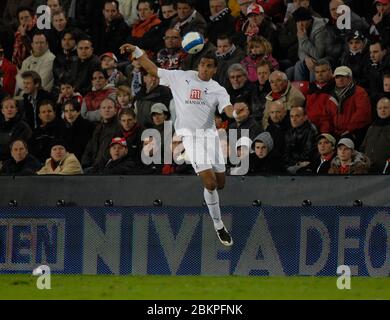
[194,288]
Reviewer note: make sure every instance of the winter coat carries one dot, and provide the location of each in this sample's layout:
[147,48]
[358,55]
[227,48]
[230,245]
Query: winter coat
[317,166]
[315,104]
[291,96]
[43,66]
[77,136]
[376,144]
[81,73]
[42,138]
[271,164]
[9,76]
[301,144]
[67,167]
[278,133]
[314,44]
[250,65]
[245,91]
[223,65]
[360,164]
[27,167]
[249,124]
[97,147]
[140,28]
[134,142]
[222,23]
[62,66]
[93,99]
[109,38]
[358,64]
[11,130]
[122,166]
[383,28]
[153,39]
[145,101]
[258,100]
[374,77]
[195,22]
[30,107]
[350,114]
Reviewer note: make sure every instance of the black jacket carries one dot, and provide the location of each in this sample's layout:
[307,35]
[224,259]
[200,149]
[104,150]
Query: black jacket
[30,108]
[223,65]
[42,138]
[62,65]
[110,38]
[78,135]
[16,128]
[258,100]
[245,91]
[27,167]
[317,166]
[271,164]
[300,144]
[81,73]
[123,166]
[357,63]
[250,124]
[278,133]
[223,24]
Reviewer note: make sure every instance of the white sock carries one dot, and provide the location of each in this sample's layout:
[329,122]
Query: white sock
[212,201]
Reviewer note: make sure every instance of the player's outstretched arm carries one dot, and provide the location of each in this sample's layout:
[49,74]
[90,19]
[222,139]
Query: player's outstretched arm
[146,63]
[229,111]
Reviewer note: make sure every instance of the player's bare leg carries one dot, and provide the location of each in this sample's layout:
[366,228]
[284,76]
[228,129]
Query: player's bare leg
[212,182]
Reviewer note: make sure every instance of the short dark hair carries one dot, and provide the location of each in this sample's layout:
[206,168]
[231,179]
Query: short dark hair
[210,56]
[102,71]
[127,111]
[74,102]
[66,80]
[322,62]
[16,140]
[189,2]
[150,2]
[34,75]
[40,33]
[111,1]
[265,62]
[24,8]
[46,102]
[243,99]
[377,40]
[225,37]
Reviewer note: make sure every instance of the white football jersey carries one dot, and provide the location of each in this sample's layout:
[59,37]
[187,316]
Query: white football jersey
[195,100]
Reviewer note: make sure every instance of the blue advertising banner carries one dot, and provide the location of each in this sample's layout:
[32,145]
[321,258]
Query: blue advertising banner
[283,241]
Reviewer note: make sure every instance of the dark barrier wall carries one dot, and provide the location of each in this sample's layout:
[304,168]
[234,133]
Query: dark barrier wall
[181,241]
[186,191]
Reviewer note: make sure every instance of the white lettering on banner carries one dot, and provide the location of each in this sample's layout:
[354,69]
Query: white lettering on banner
[140,245]
[344,281]
[311,223]
[44,277]
[44,17]
[344,21]
[380,219]
[28,242]
[175,247]
[260,238]
[348,243]
[105,245]
[211,247]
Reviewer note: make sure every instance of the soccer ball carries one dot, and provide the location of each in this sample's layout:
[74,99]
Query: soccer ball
[193,42]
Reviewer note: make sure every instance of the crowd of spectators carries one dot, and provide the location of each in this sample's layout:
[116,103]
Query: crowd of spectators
[314,95]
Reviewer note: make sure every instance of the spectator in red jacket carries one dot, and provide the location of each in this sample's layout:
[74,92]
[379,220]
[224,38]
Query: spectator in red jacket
[9,73]
[349,108]
[319,93]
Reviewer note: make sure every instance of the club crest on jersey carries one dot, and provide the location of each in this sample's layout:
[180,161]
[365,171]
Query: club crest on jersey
[196,94]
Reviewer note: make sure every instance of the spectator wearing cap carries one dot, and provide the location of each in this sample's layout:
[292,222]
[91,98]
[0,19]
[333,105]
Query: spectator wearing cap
[239,86]
[326,145]
[188,18]
[61,162]
[96,149]
[381,20]
[376,144]
[337,36]
[151,93]
[41,61]
[109,63]
[21,162]
[111,32]
[131,131]
[263,161]
[349,109]
[159,114]
[221,21]
[375,70]
[78,131]
[348,160]
[242,18]
[50,129]
[356,56]
[101,90]
[283,91]
[9,72]
[244,120]
[227,54]
[259,24]
[65,58]
[319,93]
[12,126]
[172,55]
[312,39]
[243,150]
[119,162]
[300,141]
